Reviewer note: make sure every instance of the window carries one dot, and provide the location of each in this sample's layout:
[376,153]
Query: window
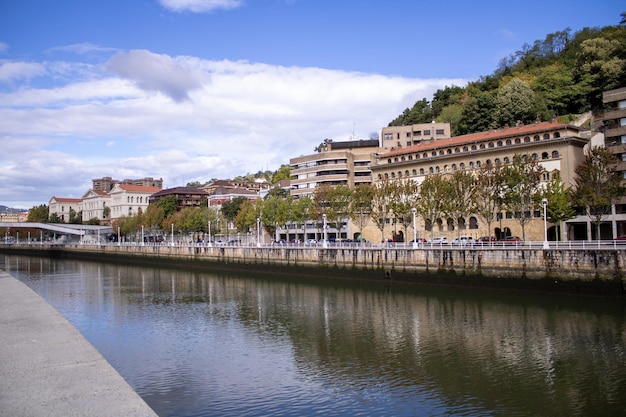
[497,161]
[445,168]
[431,170]
[462,165]
[417,133]
[407,173]
[427,132]
[380,177]
[518,141]
[555,154]
[491,145]
[408,134]
[410,157]
[471,165]
[393,175]
[507,160]
[389,160]
[409,143]
[473,223]
[473,147]
[488,161]
[441,152]
[421,171]
[546,136]
[453,167]
[449,151]
[399,174]
[557,135]
[535,157]
[457,150]
[482,146]
[437,168]
[536,138]
[439,132]
[544,155]
[414,172]
[434,153]
[500,143]
[465,149]
[424,155]
[508,142]
[403,159]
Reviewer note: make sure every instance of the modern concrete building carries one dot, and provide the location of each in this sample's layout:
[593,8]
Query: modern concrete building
[346,163]
[409,135]
[106,184]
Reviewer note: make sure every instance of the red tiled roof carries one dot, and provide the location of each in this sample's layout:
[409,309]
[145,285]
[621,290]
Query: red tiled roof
[508,132]
[68,200]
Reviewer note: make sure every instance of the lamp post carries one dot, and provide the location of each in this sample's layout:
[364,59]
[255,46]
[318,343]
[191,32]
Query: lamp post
[142,238]
[209,241]
[119,239]
[172,235]
[414,210]
[325,241]
[544,202]
[258,232]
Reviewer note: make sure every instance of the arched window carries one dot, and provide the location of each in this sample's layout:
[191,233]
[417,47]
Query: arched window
[414,172]
[527,139]
[407,173]
[441,152]
[518,141]
[478,164]
[488,161]
[557,135]
[386,176]
[461,223]
[428,225]
[535,157]
[457,150]
[437,169]
[471,165]
[431,170]
[450,224]
[393,175]
[453,167]
[421,171]
[465,149]
[473,147]
[491,145]
[473,223]
[399,174]
[424,155]
[555,154]
[507,160]
[508,142]
[380,176]
[462,165]
[482,146]
[544,155]
[389,160]
[497,161]
[403,159]
[500,143]
[445,168]
[536,138]
[449,151]
[417,156]
[395,159]
[546,136]
[434,153]
[410,157]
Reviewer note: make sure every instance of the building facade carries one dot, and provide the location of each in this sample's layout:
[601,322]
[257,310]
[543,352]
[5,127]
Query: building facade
[130,200]
[185,196]
[557,147]
[401,136]
[106,184]
[342,163]
[95,203]
[64,208]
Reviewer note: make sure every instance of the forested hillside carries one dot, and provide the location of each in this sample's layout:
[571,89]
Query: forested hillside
[562,75]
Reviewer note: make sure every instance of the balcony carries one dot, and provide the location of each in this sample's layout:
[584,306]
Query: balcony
[618,131]
[614,114]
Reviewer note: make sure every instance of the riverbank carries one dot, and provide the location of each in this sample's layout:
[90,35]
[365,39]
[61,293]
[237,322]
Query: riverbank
[49,369]
[594,271]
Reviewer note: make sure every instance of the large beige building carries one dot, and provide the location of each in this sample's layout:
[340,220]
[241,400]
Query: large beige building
[556,146]
[409,135]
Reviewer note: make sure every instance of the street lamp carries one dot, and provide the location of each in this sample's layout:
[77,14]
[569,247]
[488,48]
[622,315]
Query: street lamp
[544,202]
[142,238]
[172,235]
[414,210]
[119,239]
[258,232]
[209,241]
[324,242]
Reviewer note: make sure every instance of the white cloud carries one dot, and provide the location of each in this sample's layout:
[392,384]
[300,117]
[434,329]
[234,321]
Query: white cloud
[3,47]
[200,6]
[231,118]
[82,49]
[13,71]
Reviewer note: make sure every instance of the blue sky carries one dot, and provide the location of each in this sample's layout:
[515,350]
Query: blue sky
[189,90]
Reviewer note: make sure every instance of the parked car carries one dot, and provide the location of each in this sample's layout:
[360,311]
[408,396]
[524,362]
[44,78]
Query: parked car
[440,240]
[463,240]
[487,239]
[512,239]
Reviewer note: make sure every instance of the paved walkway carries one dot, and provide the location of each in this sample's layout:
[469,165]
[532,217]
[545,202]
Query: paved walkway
[47,368]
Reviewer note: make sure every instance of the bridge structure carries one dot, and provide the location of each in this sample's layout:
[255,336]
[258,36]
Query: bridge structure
[82,232]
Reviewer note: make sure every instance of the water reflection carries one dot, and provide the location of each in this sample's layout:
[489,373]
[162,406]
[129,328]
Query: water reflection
[214,344]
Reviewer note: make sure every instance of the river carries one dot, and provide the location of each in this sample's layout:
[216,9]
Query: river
[221,344]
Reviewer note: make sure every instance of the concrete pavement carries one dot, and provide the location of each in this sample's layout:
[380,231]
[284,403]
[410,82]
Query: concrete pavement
[47,368]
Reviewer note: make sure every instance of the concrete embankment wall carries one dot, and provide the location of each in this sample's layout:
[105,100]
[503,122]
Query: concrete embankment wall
[593,270]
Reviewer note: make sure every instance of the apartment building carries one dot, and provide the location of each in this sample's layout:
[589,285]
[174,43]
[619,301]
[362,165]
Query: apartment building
[410,135]
[185,196]
[556,146]
[346,163]
[106,184]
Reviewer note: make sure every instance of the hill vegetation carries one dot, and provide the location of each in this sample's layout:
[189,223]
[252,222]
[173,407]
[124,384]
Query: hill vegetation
[560,76]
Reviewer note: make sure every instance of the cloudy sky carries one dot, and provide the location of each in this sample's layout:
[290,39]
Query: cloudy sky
[189,90]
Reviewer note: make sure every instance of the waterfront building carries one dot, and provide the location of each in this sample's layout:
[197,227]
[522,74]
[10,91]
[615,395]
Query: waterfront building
[130,200]
[94,204]
[64,207]
[558,148]
[222,191]
[409,135]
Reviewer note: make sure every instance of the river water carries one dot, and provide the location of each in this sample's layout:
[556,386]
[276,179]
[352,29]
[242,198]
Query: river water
[218,344]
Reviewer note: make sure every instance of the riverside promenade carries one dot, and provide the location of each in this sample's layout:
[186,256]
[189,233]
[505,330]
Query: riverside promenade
[47,368]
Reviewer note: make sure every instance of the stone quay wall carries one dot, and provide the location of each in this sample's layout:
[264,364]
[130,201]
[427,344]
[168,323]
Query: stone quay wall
[600,270]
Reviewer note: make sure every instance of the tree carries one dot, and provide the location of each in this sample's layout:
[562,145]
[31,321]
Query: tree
[431,206]
[276,212]
[381,205]
[559,201]
[283,173]
[338,200]
[477,114]
[361,205]
[489,194]
[231,208]
[247,215]
[597,186]
[404,198]
[38,214]
[515,101]
[168,204]
[460,198]
[522,193]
